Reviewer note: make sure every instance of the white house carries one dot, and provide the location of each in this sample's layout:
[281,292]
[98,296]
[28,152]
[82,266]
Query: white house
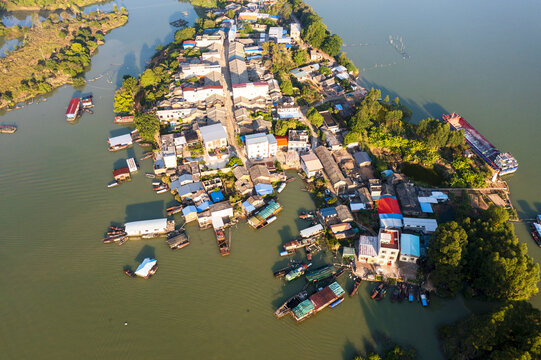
[174,115]
[288,110]
[214,136]
[260,146]
[189,70]
[205,40]
[298,141]
[276,33]
[195,95]
[423,225]
[311,165]
[149,227]
[388,246]
[251,90]
[367,249]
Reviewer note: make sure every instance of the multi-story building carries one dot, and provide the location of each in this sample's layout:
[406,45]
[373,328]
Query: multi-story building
[260,146]
[298,141]
[388,246]
[214,136]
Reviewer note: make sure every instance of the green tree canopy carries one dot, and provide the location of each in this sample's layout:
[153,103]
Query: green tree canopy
[148,125]
[332,45]
[300,57]
[184,34]
[286,87]
[315,117]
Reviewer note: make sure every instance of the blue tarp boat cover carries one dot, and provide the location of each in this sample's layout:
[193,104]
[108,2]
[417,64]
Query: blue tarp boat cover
[217,196]
[264,189]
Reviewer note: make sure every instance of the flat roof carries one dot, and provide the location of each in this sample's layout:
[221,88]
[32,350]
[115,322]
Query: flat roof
[410,245]
[213,132]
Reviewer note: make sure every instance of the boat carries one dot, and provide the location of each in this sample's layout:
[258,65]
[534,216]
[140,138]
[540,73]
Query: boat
[146,155]
[222,243]
[265,216]
[336,303]
[112,238]
[376,291]
[282,272]
[184,13]
[150,175]
[174,210]
[355,286]
[86,102]
[411,294]
[306,216]
[7,129]
[319,301]
[296,272]
[150,236]
[147,268]
[395,293]
[291,303]
[129,272]
[503,163]
[74,109]
[117,228]
[177,239]
[403,292]
[536,231]
[178,23]
[286,252]
[381,294]
[157,183]
[424,298]
[321,273]
[290,179]
[122,240]
[123,119]
[298,244]
[161,191]
[119,147]
[281,187]
[113,184]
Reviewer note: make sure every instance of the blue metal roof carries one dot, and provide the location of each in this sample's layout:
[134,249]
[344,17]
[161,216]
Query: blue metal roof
[189,210]
[217,196]
[330,211]
[410,245]
[264,189]
[204,206]
[426,207]
[248,207]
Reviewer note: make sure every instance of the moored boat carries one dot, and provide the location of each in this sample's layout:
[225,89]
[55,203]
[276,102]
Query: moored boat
[321,273]
[150,175]
[161,191]
[113,184]
[306,216]
[535,230]
[146,155]
[376,291]
[222,243]
[7,129]
[87,102]
[129,272]
[281,187]
[296,272]
[381,294]
[355,286]
[336,303]
[291,303]
[411,294]
[147,268]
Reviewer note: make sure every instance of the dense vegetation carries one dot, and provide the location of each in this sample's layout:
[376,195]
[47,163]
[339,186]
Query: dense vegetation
[511,332]
[54,52]
[395,352]
[148,125]
[483,257]
[47,4]
[382,126]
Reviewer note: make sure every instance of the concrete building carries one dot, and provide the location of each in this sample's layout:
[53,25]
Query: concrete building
[367,249]
[410,248]
[426,226]
[259,174]
[214,136]
[295,31]
[408,198]
[338,181]
[362,159]
[251,90]
[276,33]
[206,40]
[260,146]
[388,246]
[298,140]
[200,94]
[238,71]
[311,165]
[288,110]
[188,70]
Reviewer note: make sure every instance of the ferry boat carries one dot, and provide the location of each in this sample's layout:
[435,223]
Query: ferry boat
[503,163]
[536,231]
[7,129]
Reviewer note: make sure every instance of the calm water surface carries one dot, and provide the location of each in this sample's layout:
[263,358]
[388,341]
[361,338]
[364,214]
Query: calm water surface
[63,292]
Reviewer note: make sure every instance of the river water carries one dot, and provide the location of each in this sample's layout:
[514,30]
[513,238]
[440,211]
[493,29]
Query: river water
[64,294]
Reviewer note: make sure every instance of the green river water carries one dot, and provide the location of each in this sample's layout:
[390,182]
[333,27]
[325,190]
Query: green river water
[63,293]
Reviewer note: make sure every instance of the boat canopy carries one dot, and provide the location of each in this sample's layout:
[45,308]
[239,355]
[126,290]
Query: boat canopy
[312,230]
[153,226]
[125,139]
[144,269]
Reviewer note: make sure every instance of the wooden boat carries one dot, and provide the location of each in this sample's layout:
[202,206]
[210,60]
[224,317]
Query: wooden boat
[394,294]
[7,129]
[129,272]
[144,143]
[177,239]
[150,175]
[116,228]
[174,210]
[159,187]
[306,216]
[146,155]
[403,292]
[157,183]
[161,191]
[355,286]
[86,102]
[112,238]
[123,119]
[113,184]
[122,240]
[290,179]
[119,147]
[535,231]
[290,303]
[222,243]
[282,272]
[381,294]
[376,291]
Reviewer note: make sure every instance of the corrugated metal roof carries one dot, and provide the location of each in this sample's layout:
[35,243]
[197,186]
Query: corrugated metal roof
[120,140]
[410,245]
[337,289]
[268,211]
[426,207]
[311,230]
[330,211]
[213,132]
[217,196]
[303,309]
[368,246]
[146,227]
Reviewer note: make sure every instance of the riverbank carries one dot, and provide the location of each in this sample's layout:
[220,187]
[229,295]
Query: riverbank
[54,53]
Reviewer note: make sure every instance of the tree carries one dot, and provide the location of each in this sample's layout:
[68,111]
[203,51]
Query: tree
[149,78]
[123,101]
[325,70]
[184,34]
[315,117]
[351,137]
[234,161]
[286,87]
[315,31]
[496,215]
[230,14]
[300,57]
[332,45]
[512,331]
[445,257]
[148,125]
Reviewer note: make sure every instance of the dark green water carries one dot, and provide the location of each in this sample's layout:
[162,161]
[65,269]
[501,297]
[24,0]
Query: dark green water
[64,295]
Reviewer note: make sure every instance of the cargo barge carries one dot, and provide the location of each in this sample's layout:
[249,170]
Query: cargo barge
[319,301]
[503,163]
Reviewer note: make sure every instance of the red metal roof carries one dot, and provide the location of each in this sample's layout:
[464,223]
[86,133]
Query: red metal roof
[121,171]
[323,298]
[281,140]
[73,106]
[388,205]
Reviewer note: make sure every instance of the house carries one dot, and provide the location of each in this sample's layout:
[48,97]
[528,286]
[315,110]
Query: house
[240,172]
[300,75]
[388,246]
[189,70]
[220,212]
[311,165]
[344,214]
[315,55]
[362,159]
[276,33]
[190,213]
[410,248]
[281,142]
[174,115]
[183,179]
[202,93]
[375,188]
[204,219]
[180,142]
[187,191]
[298,141]
[212,184]
[206,40]
[288,110]
[244,186]
[260,146]
[426,226]
[259,174]
[367,249]
[242,116]
[330,122]
[251,90]
[331,140]
[295,31]
[213,78]
[121,174]
[328,215]
[389,212]
[408,198]
[214,136]
[338,181]
[238,71]
[149,227]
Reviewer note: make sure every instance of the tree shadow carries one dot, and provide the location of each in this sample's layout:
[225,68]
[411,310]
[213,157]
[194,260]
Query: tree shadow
[128,67]
[144,211]
[524,209]
[349,351]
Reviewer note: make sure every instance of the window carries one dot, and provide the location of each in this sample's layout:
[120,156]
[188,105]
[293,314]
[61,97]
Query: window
[383,251]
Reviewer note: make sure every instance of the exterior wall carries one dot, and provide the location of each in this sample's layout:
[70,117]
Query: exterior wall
[368,259]
[386,255]
[173,114]
[273,149]
[298,146]
[408,258]
[211,145]
[258,150]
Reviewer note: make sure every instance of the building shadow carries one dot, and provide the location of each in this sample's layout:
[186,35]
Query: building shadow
[146,251]
[128,67]
[145,211]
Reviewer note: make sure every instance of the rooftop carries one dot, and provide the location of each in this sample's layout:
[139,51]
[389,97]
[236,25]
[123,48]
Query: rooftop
[388,238]
[410,245]
[213,132]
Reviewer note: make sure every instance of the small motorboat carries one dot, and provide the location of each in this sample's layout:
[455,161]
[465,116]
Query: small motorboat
[156,183]
[161,191]
[129,272]
[336,303]
[287,252]
[122,240]
[376,291]
[7,129]
[411,294]
[116,228]
[150,175]
[306,216]
[146,155]
[381,294]
[113,184]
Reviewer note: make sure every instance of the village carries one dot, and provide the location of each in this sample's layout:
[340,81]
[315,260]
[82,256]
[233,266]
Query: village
[224,156]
